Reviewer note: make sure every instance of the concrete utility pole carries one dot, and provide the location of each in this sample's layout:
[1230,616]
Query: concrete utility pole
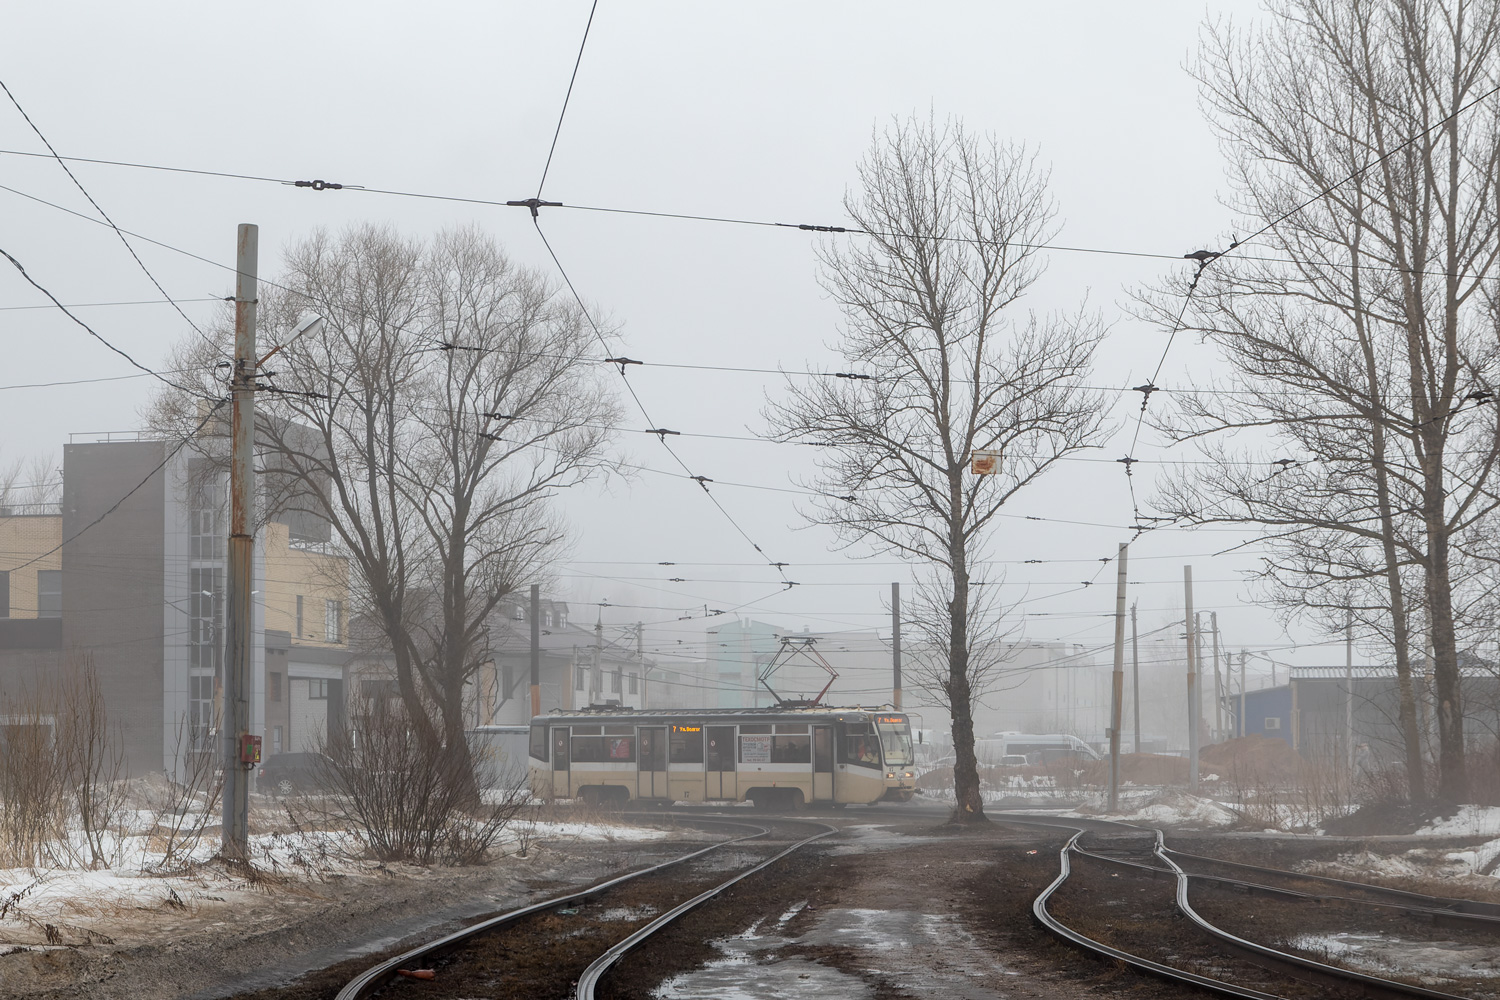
[1117,683]
[896,643]
[1194,700]
[1135,670]
[238,633]
[536,650]
[1243,655]
[1349,689]
[1218,681]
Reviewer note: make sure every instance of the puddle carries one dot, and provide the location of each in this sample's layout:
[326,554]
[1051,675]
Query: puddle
[752,969]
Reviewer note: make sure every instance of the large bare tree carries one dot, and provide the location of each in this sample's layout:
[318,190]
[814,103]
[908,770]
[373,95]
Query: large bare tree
[944,370]
[430,420]
[1367,336]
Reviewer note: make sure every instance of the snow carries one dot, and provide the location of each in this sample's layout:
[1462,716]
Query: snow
[1178,809]
[1469,821]
[1432,963]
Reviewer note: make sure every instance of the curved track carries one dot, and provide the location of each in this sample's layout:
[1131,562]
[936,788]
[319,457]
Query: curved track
[367,982]
[1292,964]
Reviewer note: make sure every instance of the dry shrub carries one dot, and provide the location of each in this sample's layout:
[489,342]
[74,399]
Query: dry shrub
[411,798]
[61,770]
[186,804]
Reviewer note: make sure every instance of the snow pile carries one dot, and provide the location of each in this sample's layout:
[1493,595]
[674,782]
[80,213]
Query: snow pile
[1178,809]
[1469,821]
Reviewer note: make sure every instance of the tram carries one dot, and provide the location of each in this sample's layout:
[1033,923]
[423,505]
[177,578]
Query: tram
[775,758]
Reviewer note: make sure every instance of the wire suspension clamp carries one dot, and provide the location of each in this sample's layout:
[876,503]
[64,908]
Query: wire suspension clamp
[534,204]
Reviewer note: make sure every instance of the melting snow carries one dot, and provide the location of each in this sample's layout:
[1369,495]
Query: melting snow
[1469,821]
[1430,962]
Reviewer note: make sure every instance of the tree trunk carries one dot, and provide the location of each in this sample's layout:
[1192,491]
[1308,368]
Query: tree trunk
[968,806]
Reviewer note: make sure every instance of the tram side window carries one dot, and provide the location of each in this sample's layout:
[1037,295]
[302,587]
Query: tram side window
[539,742]
[859,745]
[686,745]
[791,744]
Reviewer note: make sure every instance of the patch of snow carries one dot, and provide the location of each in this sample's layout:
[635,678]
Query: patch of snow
[1469,821]
[1431,962]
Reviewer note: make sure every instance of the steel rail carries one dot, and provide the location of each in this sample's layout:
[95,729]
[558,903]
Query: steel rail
[600,965]
[1456,904]
[1062,930]
[360,986]
[1438,914]
[1388,987]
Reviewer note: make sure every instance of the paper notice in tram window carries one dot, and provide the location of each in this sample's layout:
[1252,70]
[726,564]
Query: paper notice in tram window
[619,749]
[755,749]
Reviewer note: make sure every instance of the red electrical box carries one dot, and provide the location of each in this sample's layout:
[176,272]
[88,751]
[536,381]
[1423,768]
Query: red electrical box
[249,750]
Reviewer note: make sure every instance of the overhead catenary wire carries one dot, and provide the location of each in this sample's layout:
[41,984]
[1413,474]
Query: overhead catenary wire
[105,215]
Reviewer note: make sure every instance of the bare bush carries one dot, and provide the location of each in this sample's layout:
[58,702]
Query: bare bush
[33,789]
[411,798]
[186,803]
[94,766]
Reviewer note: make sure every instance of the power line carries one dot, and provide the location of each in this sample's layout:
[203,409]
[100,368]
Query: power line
[566,97]
[98,208]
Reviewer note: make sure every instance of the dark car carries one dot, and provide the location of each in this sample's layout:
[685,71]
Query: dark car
[290,773]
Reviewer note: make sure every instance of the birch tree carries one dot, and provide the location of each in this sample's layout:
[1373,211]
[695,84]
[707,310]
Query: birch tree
[945,368]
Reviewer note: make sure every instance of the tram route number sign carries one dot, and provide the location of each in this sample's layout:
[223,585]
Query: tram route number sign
[755,749]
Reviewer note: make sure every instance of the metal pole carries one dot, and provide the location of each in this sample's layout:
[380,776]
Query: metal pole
[238,636]
[1218,681]
[1117,685]
[1135,670]
[896,642]
[1194,701]
[536,650]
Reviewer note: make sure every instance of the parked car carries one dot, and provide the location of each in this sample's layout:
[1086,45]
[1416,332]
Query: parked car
[290,773]
[1014,760]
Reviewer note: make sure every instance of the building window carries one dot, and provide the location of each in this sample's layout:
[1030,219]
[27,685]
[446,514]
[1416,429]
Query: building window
[274,678]
[635,684]
[546,619]
[4,593]
[49,593]
[561,617]
[205,618]
[317,690]
[276,739]
[614,682]
[580,678]
[200,711]
[299,632]
[206,539]
[333,613]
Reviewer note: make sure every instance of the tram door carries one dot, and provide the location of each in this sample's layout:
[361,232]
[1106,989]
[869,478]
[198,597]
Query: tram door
[822,740]
[562,785]
[718,763]
[652,777]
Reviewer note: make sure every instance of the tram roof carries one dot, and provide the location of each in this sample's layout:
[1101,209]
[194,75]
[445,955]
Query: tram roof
[707,714]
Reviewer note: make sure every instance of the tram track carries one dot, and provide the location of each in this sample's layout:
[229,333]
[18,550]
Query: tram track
[1212,956]
[545,948]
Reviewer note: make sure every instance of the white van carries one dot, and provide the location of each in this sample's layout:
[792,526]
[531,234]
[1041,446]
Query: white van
[1037,748]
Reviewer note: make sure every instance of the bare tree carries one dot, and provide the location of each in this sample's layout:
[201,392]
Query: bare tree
[1368,336]
[430,420]
[953,223]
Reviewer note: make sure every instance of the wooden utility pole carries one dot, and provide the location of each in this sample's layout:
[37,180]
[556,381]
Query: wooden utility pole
[238,632]
[896,643]
[536,650]
[1117,682]
[1135,671]
[1194,699]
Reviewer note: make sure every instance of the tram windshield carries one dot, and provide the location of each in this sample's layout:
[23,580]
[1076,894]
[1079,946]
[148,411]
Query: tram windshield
[895,741]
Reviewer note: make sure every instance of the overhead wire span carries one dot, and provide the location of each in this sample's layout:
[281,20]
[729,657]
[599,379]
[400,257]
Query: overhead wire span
[566,98]
[105,215]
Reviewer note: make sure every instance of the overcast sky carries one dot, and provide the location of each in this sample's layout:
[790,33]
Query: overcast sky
[755,111]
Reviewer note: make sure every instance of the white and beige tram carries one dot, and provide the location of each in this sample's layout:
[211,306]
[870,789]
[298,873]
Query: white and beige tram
[779,758]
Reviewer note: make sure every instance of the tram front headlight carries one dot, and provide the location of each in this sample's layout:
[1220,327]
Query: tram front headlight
[890,774]
[908,774]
